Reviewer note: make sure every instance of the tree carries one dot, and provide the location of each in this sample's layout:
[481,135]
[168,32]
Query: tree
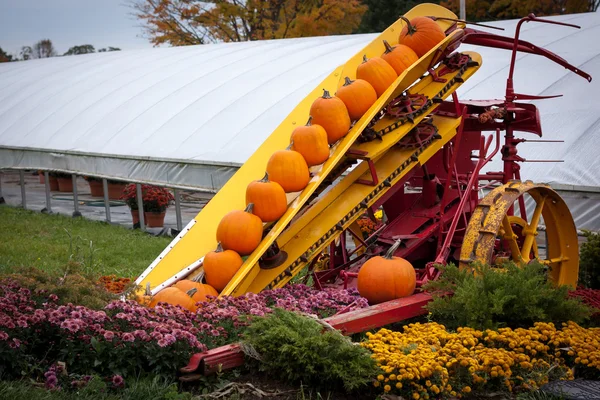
[486,10]
[82,49]
[26,53]
[383,13]
[187,22]
[44,49]
[4,56]
[110,48]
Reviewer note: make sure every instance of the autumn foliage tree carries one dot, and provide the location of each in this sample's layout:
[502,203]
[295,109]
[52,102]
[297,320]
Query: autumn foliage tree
[186,22]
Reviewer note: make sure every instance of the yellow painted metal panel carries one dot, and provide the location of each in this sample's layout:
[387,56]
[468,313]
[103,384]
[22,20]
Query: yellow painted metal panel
[199,237]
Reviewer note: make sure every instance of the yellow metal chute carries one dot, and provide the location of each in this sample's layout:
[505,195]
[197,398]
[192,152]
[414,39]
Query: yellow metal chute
[302,232]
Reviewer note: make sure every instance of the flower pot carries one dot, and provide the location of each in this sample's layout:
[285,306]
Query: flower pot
[115,190]
[53,182]
[135,216]
[42,178]
[96,188]
[154,219]
[65,184]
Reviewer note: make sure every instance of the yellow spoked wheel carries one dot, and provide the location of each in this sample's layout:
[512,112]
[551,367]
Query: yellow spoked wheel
[496,233]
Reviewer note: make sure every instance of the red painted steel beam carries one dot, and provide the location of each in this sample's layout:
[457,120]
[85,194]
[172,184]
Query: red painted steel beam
[215,360]
[378,315]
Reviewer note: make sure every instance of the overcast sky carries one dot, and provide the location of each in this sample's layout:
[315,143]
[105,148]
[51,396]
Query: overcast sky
[101,23]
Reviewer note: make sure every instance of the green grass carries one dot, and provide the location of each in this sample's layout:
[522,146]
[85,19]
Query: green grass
[48,242]
[145,389]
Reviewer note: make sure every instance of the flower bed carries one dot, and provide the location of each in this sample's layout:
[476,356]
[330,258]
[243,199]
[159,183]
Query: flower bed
[126,338]
[428,361]
[113,284]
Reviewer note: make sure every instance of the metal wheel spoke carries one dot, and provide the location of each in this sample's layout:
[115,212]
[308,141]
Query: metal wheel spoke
[530,231]
[511,238]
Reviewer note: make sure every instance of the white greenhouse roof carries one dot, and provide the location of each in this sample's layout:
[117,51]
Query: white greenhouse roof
[190,115]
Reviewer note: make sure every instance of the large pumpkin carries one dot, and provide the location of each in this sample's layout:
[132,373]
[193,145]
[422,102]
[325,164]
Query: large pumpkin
[421,34]
[332,115]
[268,198]
[176,297]
[220,266]
[289,169]
[201,290]
[358,95]
[377,72]
[399,57]
[240,231]
[386,278]
[311,141]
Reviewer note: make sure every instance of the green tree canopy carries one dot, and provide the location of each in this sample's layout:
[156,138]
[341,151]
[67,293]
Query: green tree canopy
[382,13]
[81,49]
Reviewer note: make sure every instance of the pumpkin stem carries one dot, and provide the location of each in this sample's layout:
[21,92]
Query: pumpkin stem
[219,248]
[365,58]
[326,94]
[191,292]
[390,252]
[309,122]
[148,292]
[348,81]
[265,179]
[290,145]
[388,48]
[198,278]
[411,29]
[249,208]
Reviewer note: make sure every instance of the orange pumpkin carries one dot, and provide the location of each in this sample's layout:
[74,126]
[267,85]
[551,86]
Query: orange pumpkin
[421,34]
[358,96]
[220,266]
[176,297]
[240,231]
[201,290]
[377,72]
[332,115]
[268,198]
[399,57]
[289,169]
[311,141]
[386,278]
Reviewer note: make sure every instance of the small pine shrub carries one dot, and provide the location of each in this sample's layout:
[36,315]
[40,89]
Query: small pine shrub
[294,348]
[589,262]
[492,298]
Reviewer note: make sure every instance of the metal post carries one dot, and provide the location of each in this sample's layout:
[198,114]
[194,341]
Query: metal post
[47,189]
[178,209]
[106,203]
[22,179]
[76,212]
[463,10]
[138,188]
[1,197]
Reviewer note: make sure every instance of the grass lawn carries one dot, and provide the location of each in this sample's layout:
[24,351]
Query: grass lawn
[48,242]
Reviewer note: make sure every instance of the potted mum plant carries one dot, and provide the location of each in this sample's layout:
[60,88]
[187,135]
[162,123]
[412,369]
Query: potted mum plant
[64,180]
[96,189]
[156,201]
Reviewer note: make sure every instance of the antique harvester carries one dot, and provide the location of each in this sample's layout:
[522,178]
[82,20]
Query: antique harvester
[417,153]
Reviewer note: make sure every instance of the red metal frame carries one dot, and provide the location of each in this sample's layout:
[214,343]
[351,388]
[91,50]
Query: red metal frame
[430,208]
